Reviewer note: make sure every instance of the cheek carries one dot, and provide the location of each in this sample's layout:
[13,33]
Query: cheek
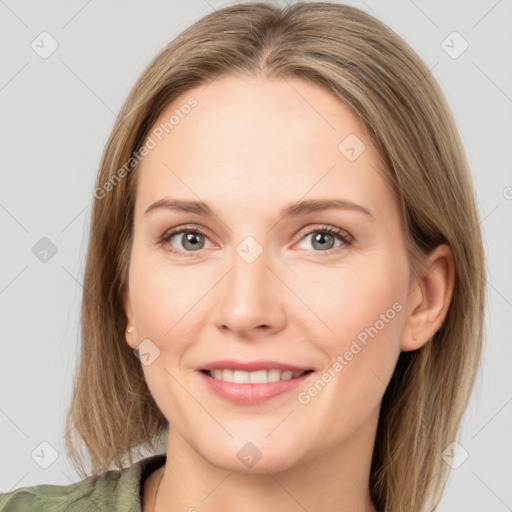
[361,310]
[162,299]
[349,300]
[164,306]
[363,307]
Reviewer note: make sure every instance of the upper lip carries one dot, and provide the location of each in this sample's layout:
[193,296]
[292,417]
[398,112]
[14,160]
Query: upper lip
[251,366]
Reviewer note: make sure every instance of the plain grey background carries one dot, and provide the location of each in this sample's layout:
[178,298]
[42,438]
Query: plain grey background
[57,111]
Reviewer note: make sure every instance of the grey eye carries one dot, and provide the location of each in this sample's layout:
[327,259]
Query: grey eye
[190,240]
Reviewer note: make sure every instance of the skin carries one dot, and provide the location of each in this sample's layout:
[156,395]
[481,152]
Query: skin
[251,146]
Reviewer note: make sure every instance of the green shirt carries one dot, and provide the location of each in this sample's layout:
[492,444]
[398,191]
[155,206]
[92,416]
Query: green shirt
[113,491]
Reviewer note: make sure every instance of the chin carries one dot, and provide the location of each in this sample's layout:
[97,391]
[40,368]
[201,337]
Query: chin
[253,454]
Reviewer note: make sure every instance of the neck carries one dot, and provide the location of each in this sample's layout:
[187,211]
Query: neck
[336,480]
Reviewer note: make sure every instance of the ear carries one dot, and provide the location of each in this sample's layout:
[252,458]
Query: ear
[131,338]
[429,298]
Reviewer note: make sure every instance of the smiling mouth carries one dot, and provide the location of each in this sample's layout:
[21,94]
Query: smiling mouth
[256,377]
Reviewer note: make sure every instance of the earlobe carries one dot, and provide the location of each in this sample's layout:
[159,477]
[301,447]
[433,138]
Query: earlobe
[430,299]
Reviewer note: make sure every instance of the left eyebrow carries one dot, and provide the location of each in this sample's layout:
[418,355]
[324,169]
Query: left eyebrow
[291,210]
[313,205]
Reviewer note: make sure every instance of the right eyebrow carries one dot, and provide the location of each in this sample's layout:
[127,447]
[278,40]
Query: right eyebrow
[179,205]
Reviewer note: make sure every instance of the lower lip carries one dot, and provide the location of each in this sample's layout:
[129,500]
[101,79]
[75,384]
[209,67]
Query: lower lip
[249,394]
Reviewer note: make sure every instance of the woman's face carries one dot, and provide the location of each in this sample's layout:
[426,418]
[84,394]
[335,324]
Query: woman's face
[259,289]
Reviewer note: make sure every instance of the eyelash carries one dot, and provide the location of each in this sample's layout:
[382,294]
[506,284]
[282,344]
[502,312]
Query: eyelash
[342,235]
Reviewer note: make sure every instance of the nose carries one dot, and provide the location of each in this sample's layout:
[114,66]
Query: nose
[251,298]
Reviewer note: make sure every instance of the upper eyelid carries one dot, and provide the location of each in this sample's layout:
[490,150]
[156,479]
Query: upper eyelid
[337,231]
[182,229]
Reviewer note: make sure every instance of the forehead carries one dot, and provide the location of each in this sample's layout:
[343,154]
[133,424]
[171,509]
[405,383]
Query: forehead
[251,137]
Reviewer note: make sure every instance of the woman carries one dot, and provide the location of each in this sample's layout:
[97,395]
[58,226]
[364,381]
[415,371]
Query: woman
[285,235]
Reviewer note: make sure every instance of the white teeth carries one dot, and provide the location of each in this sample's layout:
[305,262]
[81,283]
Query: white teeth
[273,375]
[256,377]
[240,377]
[226,374]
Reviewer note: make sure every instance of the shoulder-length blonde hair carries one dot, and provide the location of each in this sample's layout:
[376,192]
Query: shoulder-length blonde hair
[384,82]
